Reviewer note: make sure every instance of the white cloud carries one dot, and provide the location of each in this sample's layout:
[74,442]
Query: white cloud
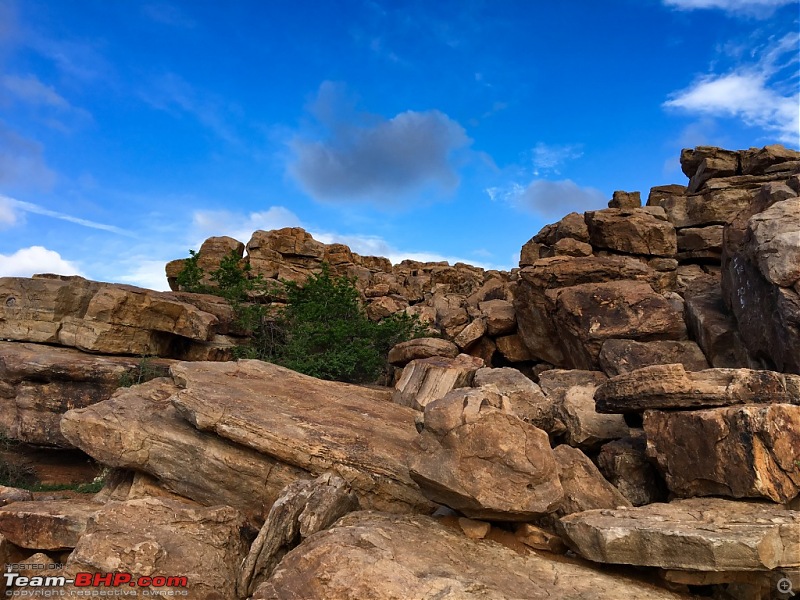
[761,94]
[550,199]
[759,8]
[366,157]
[9,217]
[36,259]
[148,274]
[207,223]
[16,206]
[548,158]
[32,91]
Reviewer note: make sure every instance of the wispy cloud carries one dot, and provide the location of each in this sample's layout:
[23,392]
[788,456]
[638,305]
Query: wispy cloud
[207,223]
[763,93]
[549,199]
[36,259]
[22,161]
[15,206]
[755,8]
[550,158]
[365,157]
[30,90]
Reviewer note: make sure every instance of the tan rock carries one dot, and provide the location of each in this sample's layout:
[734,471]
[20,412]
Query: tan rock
[12,494]
[585,427]
[285,415]
[584,486]
[404,352]
[623,356]
[428,379]
[571,247]
[138,428]
[499,316]
[776,242]
[622,199]
[671,387]
[692,158]
[385,306]
[658,194]
[373,555]
[527,400]
[474,530]
[484,350]
[153,536]
[513,348]
[700,243]
[625,465]
[478,458]
[710,207]
[756,161]
[698,534]
[539,539]
[747,451]
[46,525]
[631,231]
[470,334]
[715,329]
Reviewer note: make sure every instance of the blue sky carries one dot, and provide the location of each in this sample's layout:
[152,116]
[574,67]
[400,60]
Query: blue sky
[449,130]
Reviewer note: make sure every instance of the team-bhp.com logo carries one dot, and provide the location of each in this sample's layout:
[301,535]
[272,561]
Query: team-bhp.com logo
[95,584]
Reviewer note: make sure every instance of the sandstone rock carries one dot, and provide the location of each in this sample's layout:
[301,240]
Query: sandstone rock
[715,330]
[372,555]
[623,356]
[470,334]
[404,352]
[46,525]
[513,348]
[385,306]
[12,494]
[747,451]
[539,539]
[658,194]
[625,465]
[213,251]
[474,530]
[711,207]
[499,316]
[775,242]
[692,279]
[622,199]
[757,161]
[428,379]
[40,383]
[303,508]
[570,247]
[484,350]
[692,158]
[556,383]
[154,536]
[9,554]
[306,423]
[671,387]
[698,534]
[138,428]
[585,427]
[700,243]
[527,400]
[631,231]
[584,486]
[476,457]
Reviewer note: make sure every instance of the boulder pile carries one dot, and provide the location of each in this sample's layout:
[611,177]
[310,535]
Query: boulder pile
[619,417]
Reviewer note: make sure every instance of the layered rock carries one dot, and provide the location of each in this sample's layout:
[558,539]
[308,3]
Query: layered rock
[584,486]
[623,356]
[428,379]
[52,525]
[625,465]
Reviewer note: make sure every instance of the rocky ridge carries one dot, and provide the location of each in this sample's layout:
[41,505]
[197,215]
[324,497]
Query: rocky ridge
[619,417]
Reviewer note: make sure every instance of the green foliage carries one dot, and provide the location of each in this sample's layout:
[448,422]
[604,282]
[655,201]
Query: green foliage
[145,370]
[323,331]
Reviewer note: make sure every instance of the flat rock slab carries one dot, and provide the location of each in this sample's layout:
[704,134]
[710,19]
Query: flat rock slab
[673,387]
[46,525]
[138,428]
[698,534]
[307,423]
[374,555]
[747,451]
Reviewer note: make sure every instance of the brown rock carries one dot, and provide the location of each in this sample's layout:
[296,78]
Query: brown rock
[213,251]
[484,350]
[470,334]
[658,194]
[513,348]
[622,199]
[373,555]
[625,465]
[698,534]
[692,158]
[700,243]
[623,356]
[715,330]
[571,247]
[154,536]
[138,428]
[775,242]
[671,386]
[499,316]
[584,486]
[585,427]
[710,207]
[479,459]
[474,530]
[539,539]
[526,398]
[285,415]
[404,352]
[385,306]
[46,525]
[12,494]
[428,379]
[631,231]
[757,161]
[747,451]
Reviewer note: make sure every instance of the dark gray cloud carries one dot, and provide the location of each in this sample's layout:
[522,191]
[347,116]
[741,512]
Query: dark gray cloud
[362,157]
[550,199]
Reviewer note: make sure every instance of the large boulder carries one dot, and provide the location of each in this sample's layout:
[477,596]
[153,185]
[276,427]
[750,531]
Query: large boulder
[746,451]
[50,525]
[625,465]
[427,379]
[527,399]
[404,352]
[623,356]
[631,231]
[584,486]
[373,555]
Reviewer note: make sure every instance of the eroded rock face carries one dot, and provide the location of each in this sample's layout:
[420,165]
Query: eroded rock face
[584,486]
[673,387]
[475,456]
[404,352]
[747,451]
[373,555]
[155,536]
[697,534]
[631,231]
[527,400]
[306,423]
[623,356]
[625,465]
[39,383]
[428,379]
[51,525]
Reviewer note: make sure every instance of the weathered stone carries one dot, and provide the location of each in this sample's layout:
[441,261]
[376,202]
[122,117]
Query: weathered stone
[700,243]
[476,457]
[372,555]
[40,383]
[714,328]
[499,316]
[658,194]
[671,387]
[470,334]
[303,508]
[154,536]
[307,423]
[428,379]
[724,164]
[622,199]
[484,350]
[571,226]
[698,534]
[385,306]
[584,486]
[213,251]
[513,348]
[625,465]
[692,158]
[539,539]
[710,207]
[585,427]
[631,231]
[692,279]
[12,494]
[571,247]
[527,400]
[46,525]
[9,554]
[138,428]
[746,451]
[474,530]
[623,356]
[775,242]
[756,161]
[556,383]
[404,352]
